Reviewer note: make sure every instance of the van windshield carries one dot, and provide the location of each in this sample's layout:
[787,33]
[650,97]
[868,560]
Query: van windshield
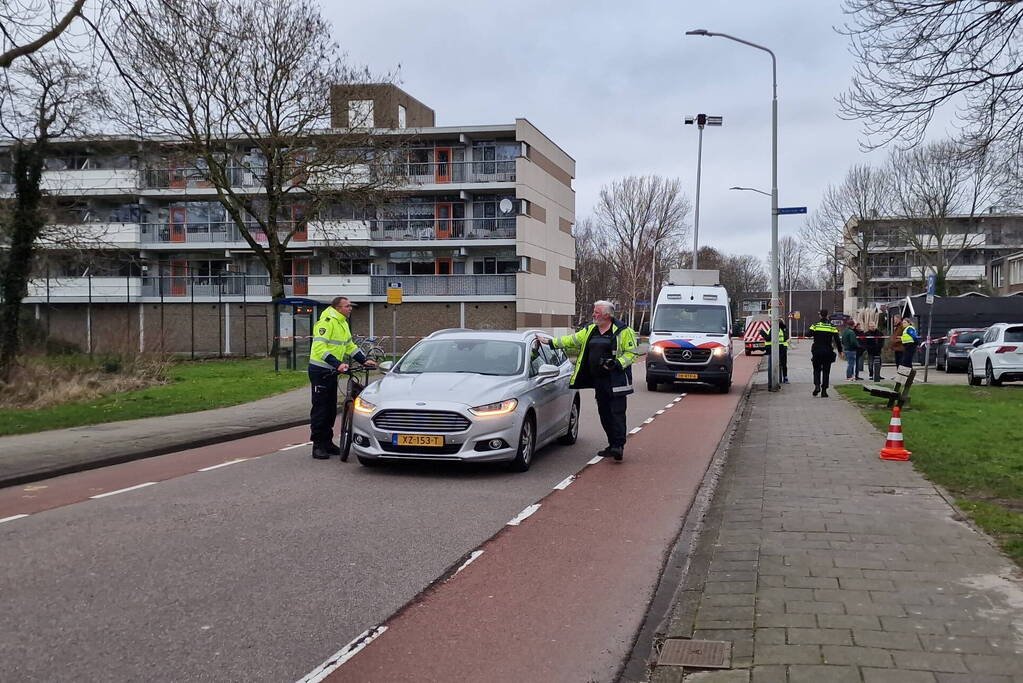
[691,318]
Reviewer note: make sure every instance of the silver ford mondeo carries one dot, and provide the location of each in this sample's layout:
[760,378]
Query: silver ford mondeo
[468,395]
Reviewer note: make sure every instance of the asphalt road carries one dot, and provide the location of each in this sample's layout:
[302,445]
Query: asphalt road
[255,571]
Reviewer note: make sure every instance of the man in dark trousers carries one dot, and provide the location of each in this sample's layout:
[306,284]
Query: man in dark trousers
[783,349]
[330,354]
[606,349]
[873,342]
[824,335]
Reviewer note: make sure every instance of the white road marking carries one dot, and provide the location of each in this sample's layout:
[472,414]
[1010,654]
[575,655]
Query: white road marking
[634,430]
[343,655]
[670,405]
[648,420]
[297,445]
[223,464]
[11,518]
[472,558]
[130,488]
[563,484]
[524,514]
[594,460]
[659,412]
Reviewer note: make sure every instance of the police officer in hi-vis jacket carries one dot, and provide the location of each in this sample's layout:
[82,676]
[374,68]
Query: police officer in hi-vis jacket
[606,349]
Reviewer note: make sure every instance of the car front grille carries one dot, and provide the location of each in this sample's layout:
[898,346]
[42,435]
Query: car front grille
[446,449]
[676,355]
[438,421]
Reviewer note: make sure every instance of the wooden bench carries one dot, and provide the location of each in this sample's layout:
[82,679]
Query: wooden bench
[899,394]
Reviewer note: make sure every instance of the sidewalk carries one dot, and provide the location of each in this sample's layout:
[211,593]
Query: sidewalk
[820,562]
[30,457]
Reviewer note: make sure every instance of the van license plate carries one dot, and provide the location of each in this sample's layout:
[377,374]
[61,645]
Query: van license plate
[427,440]
[686,375]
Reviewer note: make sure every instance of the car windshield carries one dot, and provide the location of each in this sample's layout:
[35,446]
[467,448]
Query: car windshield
[690,318]
[479,356]
[969,337]
[1014,334]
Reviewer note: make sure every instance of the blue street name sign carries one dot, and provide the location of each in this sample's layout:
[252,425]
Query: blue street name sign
[791,209]
[932,284]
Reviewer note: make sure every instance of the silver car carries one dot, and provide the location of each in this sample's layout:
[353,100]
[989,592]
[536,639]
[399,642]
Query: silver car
[467,395]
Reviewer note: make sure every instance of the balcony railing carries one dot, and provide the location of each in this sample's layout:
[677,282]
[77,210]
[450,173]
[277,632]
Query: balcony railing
[191,177]
[444,229]
[224,231]
[432,173]
[446,285]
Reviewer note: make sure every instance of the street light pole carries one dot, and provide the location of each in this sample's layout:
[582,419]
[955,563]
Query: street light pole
[773,383]
[700,120]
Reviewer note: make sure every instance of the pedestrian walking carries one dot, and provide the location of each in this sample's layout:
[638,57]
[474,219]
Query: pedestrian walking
[861,354]
[783,349]
[851,345]
[895,340]
[824,335]
[873,343]
[607,348]
[331,352]
[910,339]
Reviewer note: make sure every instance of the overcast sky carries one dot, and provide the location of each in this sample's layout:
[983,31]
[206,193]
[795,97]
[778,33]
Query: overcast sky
[609,81]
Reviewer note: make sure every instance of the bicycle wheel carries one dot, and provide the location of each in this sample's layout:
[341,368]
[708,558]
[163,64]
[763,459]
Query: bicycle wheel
[347,418]
[376,354]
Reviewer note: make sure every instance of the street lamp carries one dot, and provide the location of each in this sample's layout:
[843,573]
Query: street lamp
[751,189]
[773,384]
[700,120]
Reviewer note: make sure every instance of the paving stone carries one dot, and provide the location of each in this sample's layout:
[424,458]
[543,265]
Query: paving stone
[886,640]
[858,656]
[829,595]
[930,661]
[810,582]
[801,673]
[980,628]
[732,576]
[770,674]
[786,654]
[786,620]
[736,676]
[912,625]
[728,600]
[809,607]
[770,606]
[860,621]
[896,676]
[716,587]
[819,636]
[958,644]
[770,636]
[857,584]
[875,609]
[722,624]
[786,594]
[994,664]
[973,678]
[724,613]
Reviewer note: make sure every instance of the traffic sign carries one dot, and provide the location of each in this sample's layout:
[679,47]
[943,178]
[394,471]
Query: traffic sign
[642,303]
[782,210]
[394,292]
[932,286]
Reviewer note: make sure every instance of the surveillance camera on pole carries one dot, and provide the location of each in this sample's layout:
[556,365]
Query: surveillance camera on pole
[700,120]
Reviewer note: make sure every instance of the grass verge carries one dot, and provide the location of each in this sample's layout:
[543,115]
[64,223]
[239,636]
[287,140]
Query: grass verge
[967,440]
[191,386]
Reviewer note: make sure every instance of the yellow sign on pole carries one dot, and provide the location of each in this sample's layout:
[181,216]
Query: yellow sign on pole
[394,291]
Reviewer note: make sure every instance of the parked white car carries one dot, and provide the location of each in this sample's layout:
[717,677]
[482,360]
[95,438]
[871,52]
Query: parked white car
[998,357]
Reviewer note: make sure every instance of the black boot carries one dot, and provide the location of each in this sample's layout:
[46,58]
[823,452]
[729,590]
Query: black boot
[824,393]
[617,453]
[604,453]
[332,449]
[816,390]
[321,452]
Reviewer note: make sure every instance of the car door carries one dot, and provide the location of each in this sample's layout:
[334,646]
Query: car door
[979,356]
[542,392]
[565,396]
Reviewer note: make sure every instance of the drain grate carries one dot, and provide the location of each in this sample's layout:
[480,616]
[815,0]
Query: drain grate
[703,654]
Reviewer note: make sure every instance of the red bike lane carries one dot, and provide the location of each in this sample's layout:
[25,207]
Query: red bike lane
[562,595]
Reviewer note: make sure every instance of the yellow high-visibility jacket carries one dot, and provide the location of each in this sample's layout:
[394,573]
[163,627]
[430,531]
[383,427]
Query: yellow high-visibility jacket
[332,341]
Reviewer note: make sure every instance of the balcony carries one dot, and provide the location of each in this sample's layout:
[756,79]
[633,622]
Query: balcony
[444,229]
[253,287]
[432,173]
[447,285]
[91,235]
[97,288]
[191,177]
[90,181]
[227,232]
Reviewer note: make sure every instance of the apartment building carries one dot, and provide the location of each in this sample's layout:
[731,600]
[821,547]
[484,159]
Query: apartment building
[1005,274]
[480,236]
[895,269]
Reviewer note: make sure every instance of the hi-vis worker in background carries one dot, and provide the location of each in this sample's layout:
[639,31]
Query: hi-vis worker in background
[783,349]
[330,354]
[824,336]
[606,349]
[909,340]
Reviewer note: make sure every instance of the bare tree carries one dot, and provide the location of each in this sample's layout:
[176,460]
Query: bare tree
[940,188]
[918,56]
[739,274]
[47,97]
[216,77]
[594,272]
[28,26]
[793,263]
[635,214]
[845,221]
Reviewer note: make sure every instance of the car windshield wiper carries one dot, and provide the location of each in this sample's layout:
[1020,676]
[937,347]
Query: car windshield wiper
[474,372]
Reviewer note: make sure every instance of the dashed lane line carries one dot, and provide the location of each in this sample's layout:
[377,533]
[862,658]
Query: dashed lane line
[635,430]
[297,445]
[130,488]
[563,484]
[343,655]
[223,464]
[519,518]
[472,558]
[11,518]
[594,460]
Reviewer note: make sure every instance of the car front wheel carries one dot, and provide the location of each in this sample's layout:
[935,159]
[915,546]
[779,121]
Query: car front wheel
[972,378]
[527,442]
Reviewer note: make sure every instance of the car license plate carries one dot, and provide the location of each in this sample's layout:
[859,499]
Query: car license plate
[686,375]
[427,440]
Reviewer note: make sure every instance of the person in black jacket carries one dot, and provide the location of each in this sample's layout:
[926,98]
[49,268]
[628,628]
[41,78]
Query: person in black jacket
[873,342]
[824,335]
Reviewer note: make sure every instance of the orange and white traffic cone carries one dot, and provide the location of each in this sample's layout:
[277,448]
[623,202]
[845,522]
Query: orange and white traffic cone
[893,447]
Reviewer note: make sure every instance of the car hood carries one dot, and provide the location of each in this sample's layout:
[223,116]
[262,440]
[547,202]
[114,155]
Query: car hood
[450,387]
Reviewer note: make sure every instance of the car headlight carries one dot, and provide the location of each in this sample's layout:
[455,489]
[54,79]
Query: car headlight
[657,350]
[495,409]
[720,352]
[363,406]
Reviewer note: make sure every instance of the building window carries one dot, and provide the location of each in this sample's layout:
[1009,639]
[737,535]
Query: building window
[360,114]
[996,276]
[402,116]
[1016,272]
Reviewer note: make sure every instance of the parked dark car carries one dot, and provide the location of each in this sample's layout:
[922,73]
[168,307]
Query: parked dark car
[954,352]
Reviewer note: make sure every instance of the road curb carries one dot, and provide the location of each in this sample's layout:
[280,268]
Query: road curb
[683,560]
[106,461]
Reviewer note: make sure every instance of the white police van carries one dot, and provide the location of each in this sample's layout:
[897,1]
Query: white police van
[690,333]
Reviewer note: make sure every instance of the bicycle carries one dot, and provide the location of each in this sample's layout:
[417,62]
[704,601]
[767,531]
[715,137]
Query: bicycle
[368,345]
[352,390]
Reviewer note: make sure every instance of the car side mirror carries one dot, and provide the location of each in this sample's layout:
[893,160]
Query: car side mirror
[386,365]
[548,371]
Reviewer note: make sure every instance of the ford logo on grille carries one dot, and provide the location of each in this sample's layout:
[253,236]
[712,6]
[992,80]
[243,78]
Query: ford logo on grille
[687,354]
[420,404]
